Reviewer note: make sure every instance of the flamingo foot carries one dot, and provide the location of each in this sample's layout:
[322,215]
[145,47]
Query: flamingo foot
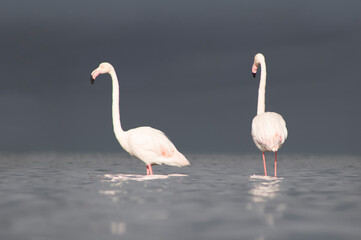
[276,164]
[149,169]
[264,164]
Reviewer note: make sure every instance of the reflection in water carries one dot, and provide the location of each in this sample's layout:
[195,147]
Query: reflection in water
[138,178]
[118,181]
[111,193]
[118,228]
[264,189]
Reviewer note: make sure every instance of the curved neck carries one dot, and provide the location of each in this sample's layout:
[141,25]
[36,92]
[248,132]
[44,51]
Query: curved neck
[262,89]
[117,127]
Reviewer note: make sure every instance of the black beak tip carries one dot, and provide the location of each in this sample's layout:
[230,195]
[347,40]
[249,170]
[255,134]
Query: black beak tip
[254,75]
[91,80]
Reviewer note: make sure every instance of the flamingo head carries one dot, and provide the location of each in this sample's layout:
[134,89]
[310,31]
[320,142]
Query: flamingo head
[257,61]
[103,68]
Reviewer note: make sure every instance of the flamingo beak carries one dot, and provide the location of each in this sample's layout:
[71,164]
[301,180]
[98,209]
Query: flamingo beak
[254,70]
[94,75]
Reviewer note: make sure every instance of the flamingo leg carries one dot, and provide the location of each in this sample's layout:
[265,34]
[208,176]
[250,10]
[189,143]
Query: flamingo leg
[149,169]
[276,164]
[264,164]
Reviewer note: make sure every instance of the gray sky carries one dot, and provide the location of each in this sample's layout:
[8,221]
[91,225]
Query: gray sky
[184,68]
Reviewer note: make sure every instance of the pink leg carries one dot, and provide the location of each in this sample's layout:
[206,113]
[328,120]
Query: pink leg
[276,164]
[264,164]
[149,169]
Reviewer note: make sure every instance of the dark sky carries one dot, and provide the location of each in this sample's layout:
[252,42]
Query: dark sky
[184,68]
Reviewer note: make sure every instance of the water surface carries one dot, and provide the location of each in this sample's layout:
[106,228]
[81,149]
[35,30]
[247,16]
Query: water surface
[85,196]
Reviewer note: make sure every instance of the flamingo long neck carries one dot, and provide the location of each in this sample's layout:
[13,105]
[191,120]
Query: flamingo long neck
[117,127]
[262,89]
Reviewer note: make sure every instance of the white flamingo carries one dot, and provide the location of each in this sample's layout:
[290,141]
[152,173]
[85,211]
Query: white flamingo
[148,144]
[269,130]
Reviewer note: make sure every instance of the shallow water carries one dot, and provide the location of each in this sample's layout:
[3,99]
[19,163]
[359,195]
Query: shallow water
[86,196]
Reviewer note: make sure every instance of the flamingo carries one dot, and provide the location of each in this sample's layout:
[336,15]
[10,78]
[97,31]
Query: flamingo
[148,144]
[269,130]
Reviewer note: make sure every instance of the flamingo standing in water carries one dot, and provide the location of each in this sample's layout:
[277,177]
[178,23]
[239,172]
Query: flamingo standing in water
[269,130]
[148,144]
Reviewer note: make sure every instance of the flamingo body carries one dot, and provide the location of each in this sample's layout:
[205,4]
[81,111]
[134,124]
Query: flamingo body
[269,131]
[148,144]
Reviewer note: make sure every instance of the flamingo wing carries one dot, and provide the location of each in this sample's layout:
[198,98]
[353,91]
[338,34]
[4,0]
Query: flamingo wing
[153,146]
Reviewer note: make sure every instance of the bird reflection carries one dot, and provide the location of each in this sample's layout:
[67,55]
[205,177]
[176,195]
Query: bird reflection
[264,190]
[118,228]
[263,200]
